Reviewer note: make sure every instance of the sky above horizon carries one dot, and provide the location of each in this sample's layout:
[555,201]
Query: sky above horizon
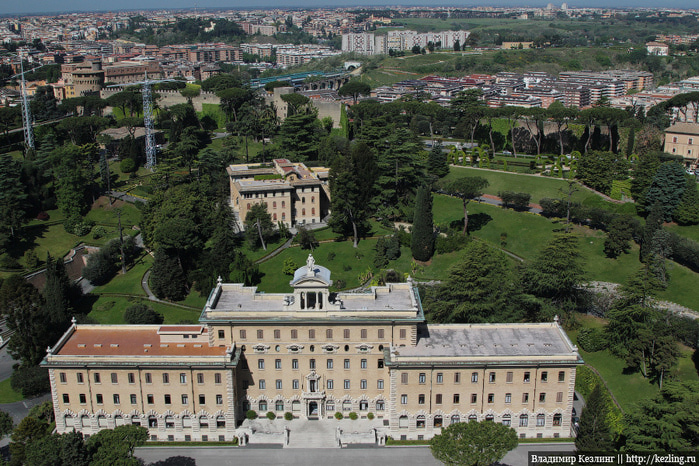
[8,7]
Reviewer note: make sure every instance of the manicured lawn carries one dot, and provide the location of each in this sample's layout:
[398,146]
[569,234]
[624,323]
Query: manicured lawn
[105,214]
[691,232]
[110,310]
[131,282]
[7,394]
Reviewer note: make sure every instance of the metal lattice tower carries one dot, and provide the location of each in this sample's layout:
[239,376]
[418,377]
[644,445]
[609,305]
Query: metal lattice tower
[151,150]
[26,113]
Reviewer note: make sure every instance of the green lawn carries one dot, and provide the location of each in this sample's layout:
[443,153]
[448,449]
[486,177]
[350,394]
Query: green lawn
[110,310]
[7,394]
[131,282]
[691,232]
[106,214]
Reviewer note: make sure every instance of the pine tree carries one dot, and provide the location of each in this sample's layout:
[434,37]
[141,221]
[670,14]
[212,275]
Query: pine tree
[618,237]
[437,161]
[594,433]
[422,244]
[687,213]
[667,188]
[167,278]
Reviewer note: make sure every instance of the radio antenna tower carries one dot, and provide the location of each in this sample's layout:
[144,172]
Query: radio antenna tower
[26,113]
[148,123]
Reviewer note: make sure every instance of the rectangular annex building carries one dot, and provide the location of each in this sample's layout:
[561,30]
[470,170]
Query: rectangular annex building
[313,353]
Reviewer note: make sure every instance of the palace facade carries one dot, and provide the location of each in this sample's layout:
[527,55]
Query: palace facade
[313,353]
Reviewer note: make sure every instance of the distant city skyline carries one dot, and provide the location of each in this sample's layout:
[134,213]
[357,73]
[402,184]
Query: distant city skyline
[43,7]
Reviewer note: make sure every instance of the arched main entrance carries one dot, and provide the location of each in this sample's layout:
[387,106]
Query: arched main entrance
[313,410]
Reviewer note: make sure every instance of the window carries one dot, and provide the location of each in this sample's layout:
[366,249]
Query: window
[99,399]
[260,334]
[540,420]
[294,334]
[403,334]
[347,384]
[347,405]
[379,384]
[311,363]
[294,363]
[278,384]
[690,141]
[168,399]
[523,420]
[133,399]
[420,421]
[491,397]
[421,378]
[329,364]
[559,397]
[362,384]
[561,376]
[491,377]
[456,398]
[83,399]
[166,377]
[542,397]
[404,399]
[346,333]
[185,399]
[219,399]
[277,334]
[380,405]
[243,334]
[330,384]
[200,377]
[62,377]
[474,377]
[261,384]
[79,377]
[295,384]
[277,363]
[311,334]
[347,363]
[221,334]
[262,405]
[379,363]
[508,377]
[115,398]
[381,334]
[440,377]
[525,397]
[508,397]
[363,364]
[474,398]
[404,378]
[183,377]
[329,334]
[544,376]
[66,398]
[97,377]
[438,399]
[131,378]
[362,334]
[150,399]
[557,420]
[260,363]
[526,377]
[457,377]
[148,378]
[279,405]
[217,378]
[674,139]
[506,420]
[202,399]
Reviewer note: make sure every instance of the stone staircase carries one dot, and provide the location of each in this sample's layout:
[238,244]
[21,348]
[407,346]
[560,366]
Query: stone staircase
[313,434]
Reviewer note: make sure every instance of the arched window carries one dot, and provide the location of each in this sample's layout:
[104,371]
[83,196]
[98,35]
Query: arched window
[68,420]
[152,421]
[313,211]
[303,211]
[455,419]
[472,418]
[540,420]
[489,417]
[506,420]
[203,422]
[363,405]
[380,405]
[296,405]
[169,422]
[101,421]
[279,405]
[283,204]
[403,422]
[283,215]
[420,422]
[274,204]
[330,405]
[557,419]
[119,421]
[220,422]
[523,420]
[347,405]
[275,216]
[438,421]
[262,406]
[186,422]
[85,420]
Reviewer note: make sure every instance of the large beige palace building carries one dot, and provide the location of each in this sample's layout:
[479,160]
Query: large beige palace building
[313,353]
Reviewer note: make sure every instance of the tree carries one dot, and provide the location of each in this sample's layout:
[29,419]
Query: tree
[12,195]
[470,107]
[142,314]
[667,188]
[6,424]
[167,278]
[20,304]
[644,171]
[687,212]
[557,270]
[29,429]
[561,116]
[306,238]
[618,237]
[422,241]
[594,432]
[598,169]
[296,103]
[354,89]
[666,422]
[30,380]
[473,443]
[467,188]
[259,227]
[190,92]
[299,135]
[116,446]
[437,161]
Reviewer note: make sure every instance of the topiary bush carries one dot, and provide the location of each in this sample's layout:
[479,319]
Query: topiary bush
[288,416]
[370,416]
[251,414]
[338,415]
[271,416]
[353,416]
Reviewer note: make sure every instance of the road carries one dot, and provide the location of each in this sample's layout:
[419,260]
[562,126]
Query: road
[404,456]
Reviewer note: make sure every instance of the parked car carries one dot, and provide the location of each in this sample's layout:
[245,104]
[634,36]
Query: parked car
[506,152]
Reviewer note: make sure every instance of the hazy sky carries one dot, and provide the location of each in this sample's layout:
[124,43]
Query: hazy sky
[53,6]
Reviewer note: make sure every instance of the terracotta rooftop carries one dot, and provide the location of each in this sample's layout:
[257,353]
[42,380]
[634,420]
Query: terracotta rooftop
[109,340]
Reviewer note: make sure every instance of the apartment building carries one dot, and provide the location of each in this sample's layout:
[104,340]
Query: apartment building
[313,352]
[683,139]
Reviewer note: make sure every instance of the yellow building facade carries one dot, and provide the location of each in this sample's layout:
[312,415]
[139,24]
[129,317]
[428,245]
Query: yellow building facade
[313,353]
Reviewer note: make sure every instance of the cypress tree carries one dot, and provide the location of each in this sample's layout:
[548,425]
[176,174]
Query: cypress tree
[167,278]
[594,433]
[422,245]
